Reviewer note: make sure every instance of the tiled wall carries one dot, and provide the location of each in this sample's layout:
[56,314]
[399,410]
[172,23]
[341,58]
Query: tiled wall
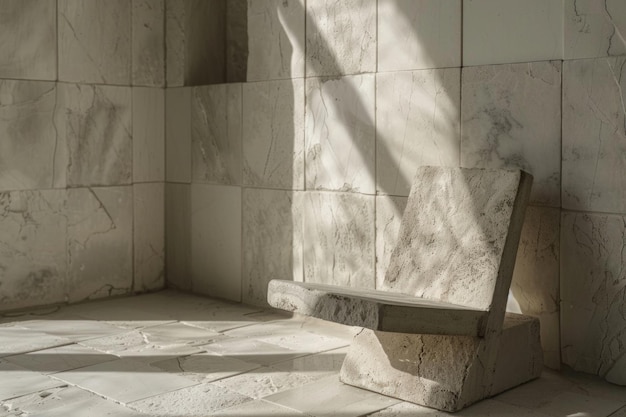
[81,149]
[302,172]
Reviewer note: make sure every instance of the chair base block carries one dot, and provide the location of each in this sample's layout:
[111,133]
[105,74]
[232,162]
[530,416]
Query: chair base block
[441,371]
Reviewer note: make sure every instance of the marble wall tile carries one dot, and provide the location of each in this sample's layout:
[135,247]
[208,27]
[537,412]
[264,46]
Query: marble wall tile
[100,242]
[149,236]
[339,239]
[31,156]
[275,39]
[148,134]
[273,134]
[216,241]
[389,211]
[340,37]
[511,117]
[33,260]
[419,34]
[535,285]
[418,123]
[195,42]
[340,133]
[175,43]
[594,28]
[593,291]
[178,236]
[29,43]
[95,122]
[506,31]
[272,240]
[148,42]
[236,41]
[178,134]
[594,135]
[95,41]
[216,126]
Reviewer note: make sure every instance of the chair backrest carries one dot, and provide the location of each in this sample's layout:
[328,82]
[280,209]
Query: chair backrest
[459,235]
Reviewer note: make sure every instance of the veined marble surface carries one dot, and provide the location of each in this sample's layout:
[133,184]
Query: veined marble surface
[340,133]
[419,34]
[148,42]
[175,42]
[273,134]
[275,39]
[29,43]
[236,41]
[100,242]
[272,240]
[340,37]
[507,31]
[95,122]
[535,285]
[148,236]
[418,123]
[148,127]
[594,135]
[31,156]
[216,241]
[338,235]
[216,127]
[594,28]
[95,41]
[593,292]
[511,118]
[33,255]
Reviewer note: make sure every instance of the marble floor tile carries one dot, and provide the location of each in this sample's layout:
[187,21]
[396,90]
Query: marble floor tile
[253,351]
[68,401]
[257,408]
[154,343]
[59,359]
[16,340]
[264,381]
[197,400]
[332,398]
[205,366]
[124,380]
[571,403]
[17,381]
[73,327]
[315,366]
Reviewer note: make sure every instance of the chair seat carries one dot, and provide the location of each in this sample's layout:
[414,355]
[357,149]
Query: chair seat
[376,310]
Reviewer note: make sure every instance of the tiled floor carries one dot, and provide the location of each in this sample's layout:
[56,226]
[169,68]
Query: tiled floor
[177,355]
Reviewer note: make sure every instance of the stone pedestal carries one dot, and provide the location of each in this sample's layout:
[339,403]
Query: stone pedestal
[444,372]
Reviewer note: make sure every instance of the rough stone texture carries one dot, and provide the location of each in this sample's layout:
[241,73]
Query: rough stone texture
[455,233]
[417,368]
[376,310]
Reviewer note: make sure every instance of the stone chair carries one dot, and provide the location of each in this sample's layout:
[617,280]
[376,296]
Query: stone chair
[436,333]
